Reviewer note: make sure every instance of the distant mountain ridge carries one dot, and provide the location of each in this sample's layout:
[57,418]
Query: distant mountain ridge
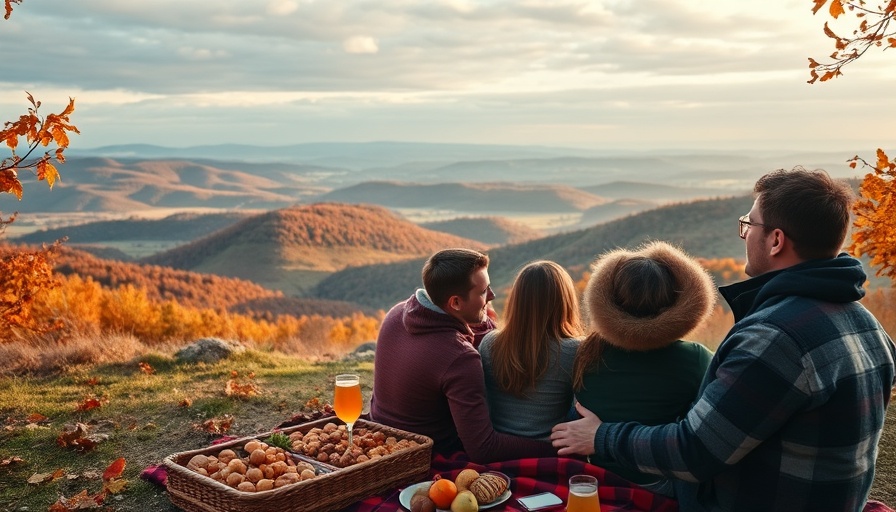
[479,197]
[108,185]
[656,192]
[180,226]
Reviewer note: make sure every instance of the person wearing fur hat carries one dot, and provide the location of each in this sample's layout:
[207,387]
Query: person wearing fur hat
[634,366]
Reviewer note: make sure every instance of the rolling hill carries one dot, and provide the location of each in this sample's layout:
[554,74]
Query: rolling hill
[658,193]
[180,226]
[703,228]
[488,230]
[463,197]
[613,210]
[293,248]
[93,184]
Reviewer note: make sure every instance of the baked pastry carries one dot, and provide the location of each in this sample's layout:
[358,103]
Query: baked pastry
[488,487]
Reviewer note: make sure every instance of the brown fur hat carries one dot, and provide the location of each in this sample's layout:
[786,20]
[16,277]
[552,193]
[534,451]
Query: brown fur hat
[696,298]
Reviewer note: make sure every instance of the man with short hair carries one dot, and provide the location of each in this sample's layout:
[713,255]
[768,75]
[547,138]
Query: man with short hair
[428,376]
[793,403]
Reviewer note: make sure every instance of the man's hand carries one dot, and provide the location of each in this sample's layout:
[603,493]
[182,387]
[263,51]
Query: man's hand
[576,437]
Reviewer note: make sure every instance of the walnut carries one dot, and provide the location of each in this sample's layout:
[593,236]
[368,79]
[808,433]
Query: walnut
[234,479]
[198,461]
[226,456]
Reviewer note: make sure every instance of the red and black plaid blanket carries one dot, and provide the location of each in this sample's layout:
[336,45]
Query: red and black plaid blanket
[532,476]
[528,476]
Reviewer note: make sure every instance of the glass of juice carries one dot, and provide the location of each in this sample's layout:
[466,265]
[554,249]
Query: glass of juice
[347,401]
[583,494]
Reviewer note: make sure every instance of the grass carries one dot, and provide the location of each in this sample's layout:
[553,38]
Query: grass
[143,418]
[146,422]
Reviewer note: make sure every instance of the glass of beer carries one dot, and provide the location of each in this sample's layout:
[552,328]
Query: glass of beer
[583,494]
[347,401]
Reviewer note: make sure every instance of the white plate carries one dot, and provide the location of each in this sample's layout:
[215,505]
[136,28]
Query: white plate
[408,492]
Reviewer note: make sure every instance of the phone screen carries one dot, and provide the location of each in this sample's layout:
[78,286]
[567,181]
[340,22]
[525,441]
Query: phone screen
[540,501]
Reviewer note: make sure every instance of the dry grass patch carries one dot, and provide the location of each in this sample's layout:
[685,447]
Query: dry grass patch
[147,416]
[52,356]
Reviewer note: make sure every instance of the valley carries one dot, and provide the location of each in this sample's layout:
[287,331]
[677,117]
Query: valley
[353,223]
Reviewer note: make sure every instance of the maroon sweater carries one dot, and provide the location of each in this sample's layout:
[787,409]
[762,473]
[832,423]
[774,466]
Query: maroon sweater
[428,379]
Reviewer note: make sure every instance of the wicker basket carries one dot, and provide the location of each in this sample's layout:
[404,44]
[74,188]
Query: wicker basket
[332,491]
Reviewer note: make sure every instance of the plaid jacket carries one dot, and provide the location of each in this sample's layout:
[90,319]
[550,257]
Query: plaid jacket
[792,406]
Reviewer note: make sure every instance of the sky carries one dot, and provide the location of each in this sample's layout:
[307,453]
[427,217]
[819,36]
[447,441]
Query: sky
[602,74]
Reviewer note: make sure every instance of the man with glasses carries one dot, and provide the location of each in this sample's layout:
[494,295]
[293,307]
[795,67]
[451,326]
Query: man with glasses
[793,403]
[428,376]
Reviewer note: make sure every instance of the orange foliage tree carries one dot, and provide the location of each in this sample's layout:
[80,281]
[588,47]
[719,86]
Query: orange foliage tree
[25,274]
[873,31]
[875,225]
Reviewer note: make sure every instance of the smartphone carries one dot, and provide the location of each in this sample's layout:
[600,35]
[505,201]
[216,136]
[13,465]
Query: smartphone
[540,501]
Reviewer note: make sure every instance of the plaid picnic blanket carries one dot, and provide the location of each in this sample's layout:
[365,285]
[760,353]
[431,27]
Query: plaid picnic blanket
[528,476]
[532,476]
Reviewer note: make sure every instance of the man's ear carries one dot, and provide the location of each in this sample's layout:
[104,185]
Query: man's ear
[454,303]
[779,242]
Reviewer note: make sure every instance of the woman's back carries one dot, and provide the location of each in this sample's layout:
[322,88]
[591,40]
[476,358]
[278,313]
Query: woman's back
[652,387]
[537,410]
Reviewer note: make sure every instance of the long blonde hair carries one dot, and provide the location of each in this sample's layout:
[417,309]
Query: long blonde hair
[542,308]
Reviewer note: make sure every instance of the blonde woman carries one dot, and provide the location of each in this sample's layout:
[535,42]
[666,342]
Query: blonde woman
[633,366]
[528,363]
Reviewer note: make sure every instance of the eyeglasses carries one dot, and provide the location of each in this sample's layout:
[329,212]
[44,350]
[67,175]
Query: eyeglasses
[743,223]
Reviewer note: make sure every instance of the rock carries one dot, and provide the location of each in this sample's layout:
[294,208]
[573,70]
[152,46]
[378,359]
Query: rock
[208,350]
[363,352]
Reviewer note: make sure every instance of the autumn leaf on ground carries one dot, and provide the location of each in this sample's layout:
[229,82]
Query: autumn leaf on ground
[80,501]
[36,418]
[146,368]
[239,388]
[78,436]
[39,478]
[112,481]
[91,402]
[115,469]
[216,425]
[186,402]
[93,381]
[12,460]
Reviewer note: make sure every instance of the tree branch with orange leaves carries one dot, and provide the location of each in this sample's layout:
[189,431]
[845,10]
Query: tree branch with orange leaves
[874,30]
[37,131]
[9,7]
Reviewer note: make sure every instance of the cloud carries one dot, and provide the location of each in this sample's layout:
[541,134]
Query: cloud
[282,7]
[360,44]
[484,70]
